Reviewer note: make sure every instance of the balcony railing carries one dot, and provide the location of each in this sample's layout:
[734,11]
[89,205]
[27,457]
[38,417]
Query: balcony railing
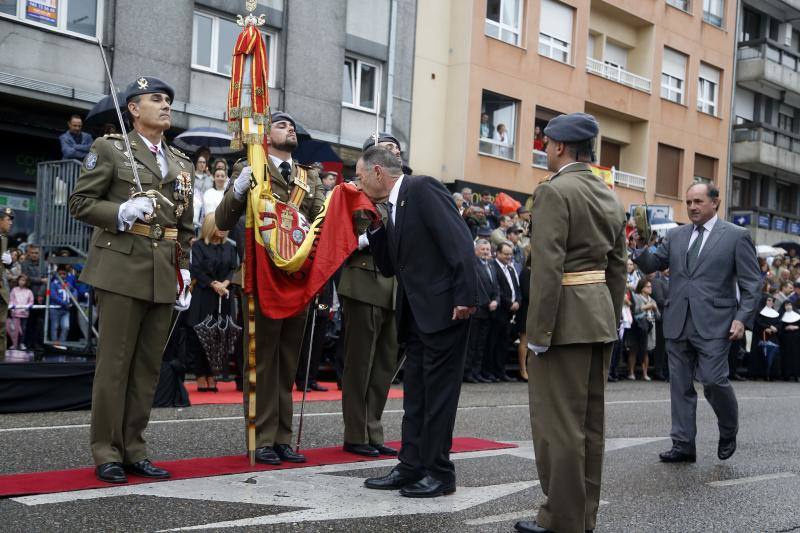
[626,179]
[540,159]
[617,74]
[491,147]
[761,49]
[766,134]
[631,181]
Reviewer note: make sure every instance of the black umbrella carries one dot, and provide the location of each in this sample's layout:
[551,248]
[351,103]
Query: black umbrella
[218,141]
[302,133]
[212,333]
[789,245]
[103,111]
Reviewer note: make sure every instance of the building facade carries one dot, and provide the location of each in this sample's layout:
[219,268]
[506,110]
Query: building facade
[332,64]
[657,74]
[765,192]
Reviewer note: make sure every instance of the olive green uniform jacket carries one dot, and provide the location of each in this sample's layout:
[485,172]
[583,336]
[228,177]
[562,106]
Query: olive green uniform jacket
[121,262]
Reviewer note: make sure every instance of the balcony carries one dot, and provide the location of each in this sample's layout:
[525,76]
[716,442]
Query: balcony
[487,146]
[540,159]
[763,65]
[764,149]
[617,74]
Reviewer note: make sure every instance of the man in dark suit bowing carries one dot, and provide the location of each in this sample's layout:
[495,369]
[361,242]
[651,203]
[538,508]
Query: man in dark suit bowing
[427,245]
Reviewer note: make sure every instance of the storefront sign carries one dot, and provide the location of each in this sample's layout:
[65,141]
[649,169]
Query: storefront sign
[779,223]
[763,221]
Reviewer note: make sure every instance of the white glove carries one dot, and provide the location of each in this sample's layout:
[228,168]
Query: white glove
[185,297]
[6,258]
[242,183]
[133,209]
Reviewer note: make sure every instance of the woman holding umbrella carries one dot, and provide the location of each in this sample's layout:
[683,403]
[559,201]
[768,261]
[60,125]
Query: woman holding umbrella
[213,263]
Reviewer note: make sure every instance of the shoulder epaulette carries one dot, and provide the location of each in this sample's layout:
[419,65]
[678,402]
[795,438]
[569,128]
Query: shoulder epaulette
[113,136]
[179,153]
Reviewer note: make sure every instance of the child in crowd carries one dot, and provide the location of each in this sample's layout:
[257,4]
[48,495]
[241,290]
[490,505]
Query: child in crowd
[20,300]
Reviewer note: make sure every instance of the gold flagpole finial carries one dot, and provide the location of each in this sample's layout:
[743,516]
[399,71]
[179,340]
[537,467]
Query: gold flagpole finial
[250,19]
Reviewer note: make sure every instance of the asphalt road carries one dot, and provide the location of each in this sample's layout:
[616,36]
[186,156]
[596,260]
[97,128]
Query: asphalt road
[758,490]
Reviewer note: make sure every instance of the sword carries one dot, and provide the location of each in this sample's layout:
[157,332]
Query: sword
[308,369]
[399,366]
[128,150]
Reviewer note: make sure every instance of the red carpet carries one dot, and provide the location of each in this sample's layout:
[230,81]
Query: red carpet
[228,394]
[83,478]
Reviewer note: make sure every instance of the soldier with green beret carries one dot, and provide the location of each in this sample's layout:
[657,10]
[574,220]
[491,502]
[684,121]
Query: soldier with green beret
[577,287]
[138,264]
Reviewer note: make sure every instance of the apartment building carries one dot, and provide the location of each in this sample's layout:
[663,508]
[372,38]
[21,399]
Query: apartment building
[332,64]
[655,73]
[766,132]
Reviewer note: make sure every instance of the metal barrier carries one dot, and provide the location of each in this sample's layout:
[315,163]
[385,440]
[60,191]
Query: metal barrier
[55,228]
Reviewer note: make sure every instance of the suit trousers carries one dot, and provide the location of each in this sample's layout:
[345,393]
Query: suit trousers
[370,348]
[567,392]
[494,361]
[133,334]
[278,346]
[478,344]
[691,354]
[434,370]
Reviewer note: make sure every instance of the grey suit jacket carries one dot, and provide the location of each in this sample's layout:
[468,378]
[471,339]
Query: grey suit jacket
[727,260]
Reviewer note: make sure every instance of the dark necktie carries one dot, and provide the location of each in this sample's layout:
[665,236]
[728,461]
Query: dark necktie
[489,270]
[694,249]
[286,170]
[389,211]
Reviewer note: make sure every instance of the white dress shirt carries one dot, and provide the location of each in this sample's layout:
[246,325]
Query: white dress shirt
[277,161]
[506,270]
[393,194]
[161,158]
[708,227]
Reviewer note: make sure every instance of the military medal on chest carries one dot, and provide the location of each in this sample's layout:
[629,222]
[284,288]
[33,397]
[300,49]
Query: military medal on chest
[182,192]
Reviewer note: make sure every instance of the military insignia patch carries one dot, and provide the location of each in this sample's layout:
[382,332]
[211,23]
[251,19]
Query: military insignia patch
[90,161]
[118,146]
[142,83]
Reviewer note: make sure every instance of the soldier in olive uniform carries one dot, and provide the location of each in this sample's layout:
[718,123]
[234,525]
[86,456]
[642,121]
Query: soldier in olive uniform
[577,286]
[278,342]
[6,221]
[370,346]
[134,256]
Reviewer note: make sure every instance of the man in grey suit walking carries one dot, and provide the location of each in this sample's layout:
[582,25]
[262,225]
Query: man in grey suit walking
[707,259]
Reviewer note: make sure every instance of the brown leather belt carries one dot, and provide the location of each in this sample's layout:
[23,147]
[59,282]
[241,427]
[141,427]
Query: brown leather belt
[156,232]
[588,277]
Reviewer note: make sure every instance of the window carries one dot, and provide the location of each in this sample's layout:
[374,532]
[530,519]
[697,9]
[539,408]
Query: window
[683,5]
[498,125]
[213,39]
[713,11]
[744,105]
[673,75]
[78,17]
[764,192]
[785,118]
[668,170]
[705,169]
[555,30]
[504,20]
[785,195]
[740,193]
[360,84]
[751,25]
[708,89]
[610,154]
[615,55]
[541,118]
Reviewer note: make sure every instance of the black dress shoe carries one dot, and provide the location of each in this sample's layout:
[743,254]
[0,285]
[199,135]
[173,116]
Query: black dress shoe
[111,473]
[317,387]
[428,487]
[266,455]
[530,526]
[470,379]
[726,448]
[145,468]
[482,379]
[506,378]
[384,450]
[361,449]
[676,456]
[392,481]
[737,377]
[286,453]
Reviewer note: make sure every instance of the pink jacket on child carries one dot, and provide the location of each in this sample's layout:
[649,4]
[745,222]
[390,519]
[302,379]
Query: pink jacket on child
[21,298]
